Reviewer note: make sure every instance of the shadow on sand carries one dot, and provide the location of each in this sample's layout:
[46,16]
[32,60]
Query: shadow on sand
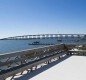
[38,71]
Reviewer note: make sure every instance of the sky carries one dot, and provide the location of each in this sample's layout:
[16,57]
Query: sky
[26,17]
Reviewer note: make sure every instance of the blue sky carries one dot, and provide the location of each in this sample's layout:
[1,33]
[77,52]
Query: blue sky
[24,17]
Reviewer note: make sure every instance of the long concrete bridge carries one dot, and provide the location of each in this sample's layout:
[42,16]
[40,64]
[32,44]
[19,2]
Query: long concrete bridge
[25,37]
[17,62]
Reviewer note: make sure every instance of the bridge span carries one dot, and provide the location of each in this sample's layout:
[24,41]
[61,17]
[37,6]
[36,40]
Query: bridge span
[39,36]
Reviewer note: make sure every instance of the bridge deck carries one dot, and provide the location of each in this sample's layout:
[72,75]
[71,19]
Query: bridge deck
[43,36]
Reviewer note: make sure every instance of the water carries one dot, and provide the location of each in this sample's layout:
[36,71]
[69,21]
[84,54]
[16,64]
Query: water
[7,46]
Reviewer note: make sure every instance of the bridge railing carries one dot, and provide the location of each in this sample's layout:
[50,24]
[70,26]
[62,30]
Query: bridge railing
[13,63]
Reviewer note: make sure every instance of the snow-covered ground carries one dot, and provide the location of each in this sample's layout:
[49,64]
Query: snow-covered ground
[72,68]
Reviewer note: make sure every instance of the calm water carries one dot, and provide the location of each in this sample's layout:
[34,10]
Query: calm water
[7,46]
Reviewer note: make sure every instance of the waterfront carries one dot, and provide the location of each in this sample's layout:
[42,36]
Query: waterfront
[7,46]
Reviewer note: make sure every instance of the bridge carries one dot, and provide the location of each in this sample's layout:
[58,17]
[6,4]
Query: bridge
[17,62]
[25,37]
